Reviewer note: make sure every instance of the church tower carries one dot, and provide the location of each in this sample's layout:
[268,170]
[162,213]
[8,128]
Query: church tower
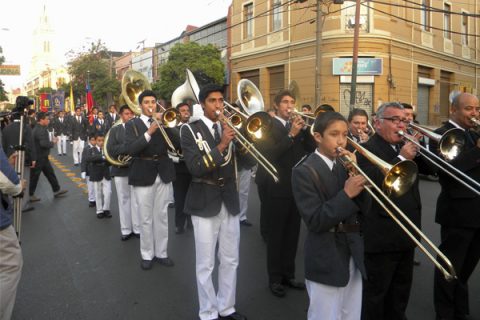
[43,50]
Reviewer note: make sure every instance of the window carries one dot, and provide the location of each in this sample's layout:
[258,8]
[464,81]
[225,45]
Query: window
[349,14]
[425,15]
[46,46]
[464,29]
[447,21]
[248,21]
[276,15]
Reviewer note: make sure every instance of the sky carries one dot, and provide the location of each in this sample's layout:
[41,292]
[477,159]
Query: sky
[120,24]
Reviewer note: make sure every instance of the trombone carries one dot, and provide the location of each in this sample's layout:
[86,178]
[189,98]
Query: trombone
[450,144]
[403,174]
[475,121]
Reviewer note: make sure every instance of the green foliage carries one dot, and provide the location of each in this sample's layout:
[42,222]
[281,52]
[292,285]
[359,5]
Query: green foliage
[3,95]
[45,90]
[204,62]
[94,66]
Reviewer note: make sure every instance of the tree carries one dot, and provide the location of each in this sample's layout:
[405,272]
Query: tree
[3,94]
[204,62]
[94,66]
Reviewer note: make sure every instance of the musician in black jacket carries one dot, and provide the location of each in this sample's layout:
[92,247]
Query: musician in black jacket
[457,214]
[212,200]
[389,251]
[78,132]
[85,172]
[99,173]
[127,207]
[287,142]
[60,127]
[183,176]
[42,147]
[151,175]
[111,117]
[329,202]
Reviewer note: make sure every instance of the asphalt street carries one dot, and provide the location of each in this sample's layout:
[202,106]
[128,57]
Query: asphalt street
[76,267]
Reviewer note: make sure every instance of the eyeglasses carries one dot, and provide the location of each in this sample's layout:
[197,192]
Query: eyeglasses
[397,120]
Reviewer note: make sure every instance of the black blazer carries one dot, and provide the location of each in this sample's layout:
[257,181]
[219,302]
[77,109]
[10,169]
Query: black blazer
[457,206]
[84,166]
[98,167]
[116,146]
[42,142]
[111,121]
[283,153]
[143,169]
[99,128]
[60,127]
[323,204]
[10,139]
[180,166]
[203,199]
[381,233]
[78,129]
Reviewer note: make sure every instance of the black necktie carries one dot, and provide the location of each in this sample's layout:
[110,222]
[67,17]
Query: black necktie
[397,148]
[336,174]
[468,137]
[216,134]
[150,120]
[288,126]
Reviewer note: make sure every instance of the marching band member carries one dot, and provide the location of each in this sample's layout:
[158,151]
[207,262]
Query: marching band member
[212,200]
[456,214]
[60,126]
[84,171]
[111,117]
[127,206]
[151,175]
[286,144]
[358,125]
[327,200]
[78,132]
[99,172]
[389,252]
[183,176]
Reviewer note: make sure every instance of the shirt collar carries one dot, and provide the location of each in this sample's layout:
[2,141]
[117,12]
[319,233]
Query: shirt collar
[456,125]
[209,123]
[327,160]
[145,119]
[283,121]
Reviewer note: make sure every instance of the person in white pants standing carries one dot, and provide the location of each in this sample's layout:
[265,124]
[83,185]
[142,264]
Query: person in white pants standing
[78,132]
[60,127]
[85,172]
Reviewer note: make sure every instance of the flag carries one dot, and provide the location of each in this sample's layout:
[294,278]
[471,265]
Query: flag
[45,102]
[71,105]
[89,103]
[58,100]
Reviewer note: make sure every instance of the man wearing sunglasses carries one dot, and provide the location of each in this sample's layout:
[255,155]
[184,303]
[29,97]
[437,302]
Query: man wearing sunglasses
[389,251]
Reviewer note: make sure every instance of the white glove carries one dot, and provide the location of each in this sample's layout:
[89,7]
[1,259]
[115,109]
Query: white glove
[83,175]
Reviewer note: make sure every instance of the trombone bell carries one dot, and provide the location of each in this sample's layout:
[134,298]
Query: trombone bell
[400,178]
[258,125]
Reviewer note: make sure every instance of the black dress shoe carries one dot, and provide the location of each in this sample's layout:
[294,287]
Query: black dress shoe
[59,193]
[245,223]
[100,215]
[125,237]
[292,283]
[107,214]
[146,264]
[136,235]
[27,209]
[92,204]
[234,316]
[167,262]
[277,289]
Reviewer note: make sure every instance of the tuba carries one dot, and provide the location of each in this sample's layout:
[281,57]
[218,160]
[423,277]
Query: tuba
[133,83]
[189,90]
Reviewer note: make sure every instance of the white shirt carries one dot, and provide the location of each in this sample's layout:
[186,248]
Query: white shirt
[209,123]
[330,163]
[283,121]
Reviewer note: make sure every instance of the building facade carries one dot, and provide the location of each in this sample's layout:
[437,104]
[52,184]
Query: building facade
[409,51]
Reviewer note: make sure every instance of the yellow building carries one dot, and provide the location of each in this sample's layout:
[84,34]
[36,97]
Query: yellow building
[414,51]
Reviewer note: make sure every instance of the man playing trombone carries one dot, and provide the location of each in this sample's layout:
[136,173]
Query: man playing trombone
[457,213]
[212,201]
[389,252]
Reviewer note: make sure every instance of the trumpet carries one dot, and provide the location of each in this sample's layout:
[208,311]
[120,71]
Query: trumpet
[450,145]
[404,173]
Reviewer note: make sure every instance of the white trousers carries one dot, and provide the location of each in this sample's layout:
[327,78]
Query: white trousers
[77,150]
[91,189]
[11,263]
[127,207]
[62,144]
[244,177]
[153,209]
[224,229]
[336,303]
[103,193]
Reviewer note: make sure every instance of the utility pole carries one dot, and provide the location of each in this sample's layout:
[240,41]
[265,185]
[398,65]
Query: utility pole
[356,33]
[318,61]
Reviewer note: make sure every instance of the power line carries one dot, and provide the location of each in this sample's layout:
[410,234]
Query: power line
[427,8]
[421,24]
[439,10]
